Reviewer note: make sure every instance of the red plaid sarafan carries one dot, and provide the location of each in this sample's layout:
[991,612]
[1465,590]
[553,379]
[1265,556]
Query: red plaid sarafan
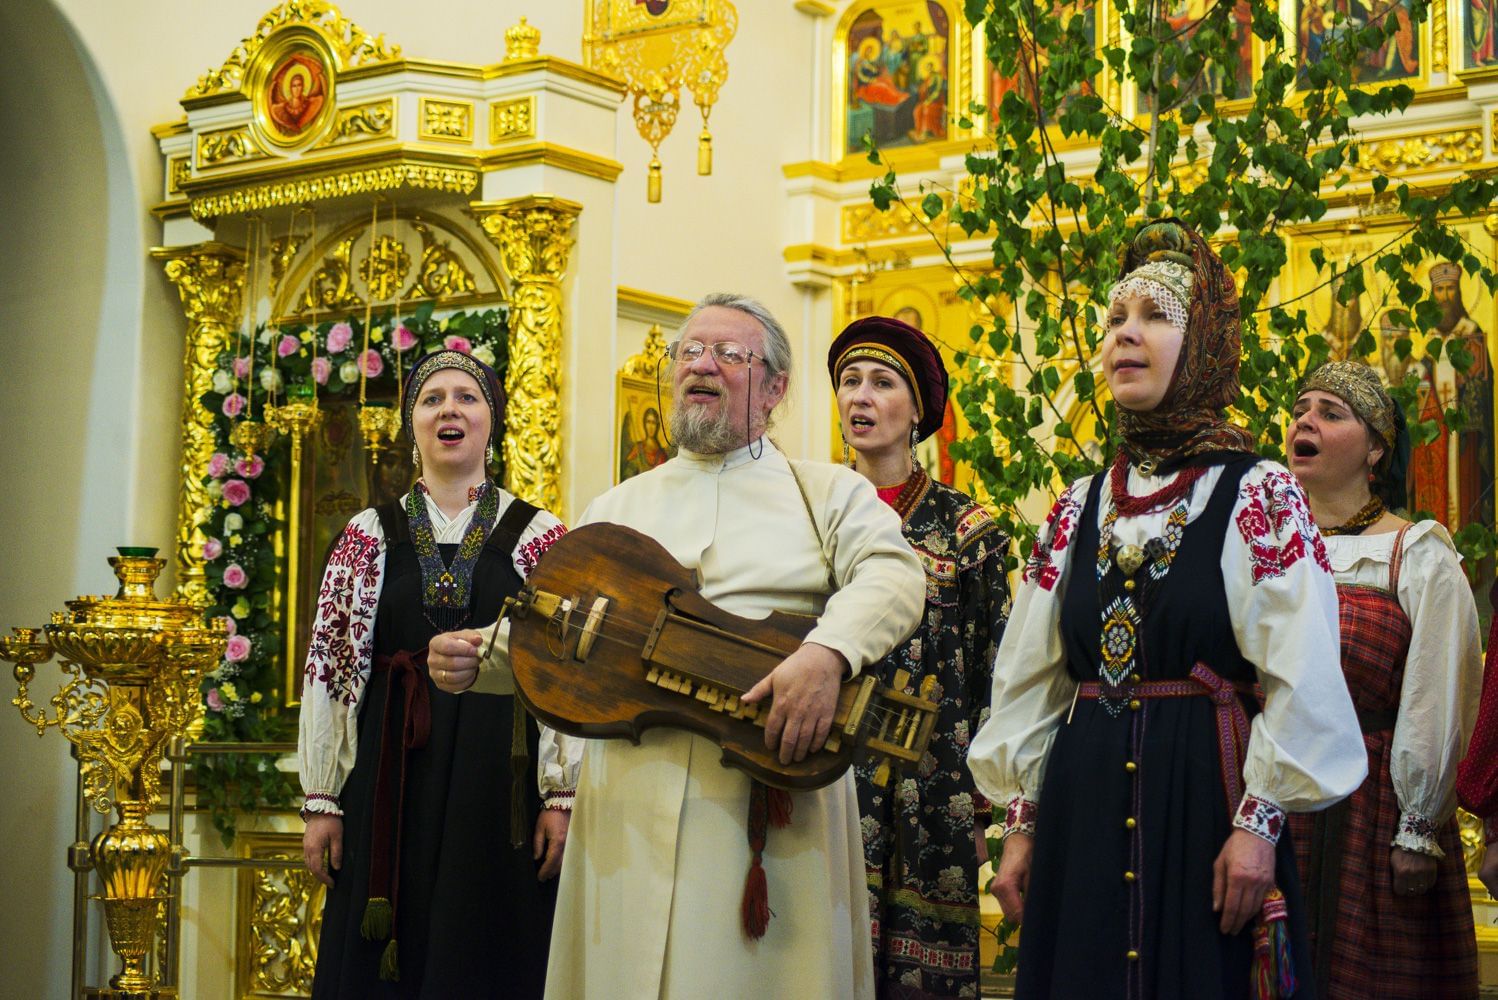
[1382,944]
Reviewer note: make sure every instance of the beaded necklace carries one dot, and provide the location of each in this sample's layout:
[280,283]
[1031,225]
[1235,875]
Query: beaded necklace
[446,590]
[1132,506]
[1123,599]
[1357,523]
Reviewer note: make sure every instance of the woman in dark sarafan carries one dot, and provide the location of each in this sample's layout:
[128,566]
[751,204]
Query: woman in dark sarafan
[1145,791]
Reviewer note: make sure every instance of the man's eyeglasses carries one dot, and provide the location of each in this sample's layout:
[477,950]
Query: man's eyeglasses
[726,352]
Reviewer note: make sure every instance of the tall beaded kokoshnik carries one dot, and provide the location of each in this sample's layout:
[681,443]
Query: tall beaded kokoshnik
[446,590]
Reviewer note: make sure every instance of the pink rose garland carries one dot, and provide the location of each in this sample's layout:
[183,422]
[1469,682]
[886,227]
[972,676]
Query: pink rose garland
[250,468]
[238,649]
[236,491]
[235,577]
[339,337]
[457,343]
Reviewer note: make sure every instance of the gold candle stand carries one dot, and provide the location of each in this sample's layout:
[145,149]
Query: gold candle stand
[131,666]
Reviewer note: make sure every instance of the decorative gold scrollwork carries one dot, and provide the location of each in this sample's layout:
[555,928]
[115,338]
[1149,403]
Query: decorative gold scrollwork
[442,272]
[230,145]
[283,250]
[361,124]
[534,238]
[384,268]
[1439,149]
[513,119]
[355,47]
[280,921]
[334,184]
[331,285]
[210,281]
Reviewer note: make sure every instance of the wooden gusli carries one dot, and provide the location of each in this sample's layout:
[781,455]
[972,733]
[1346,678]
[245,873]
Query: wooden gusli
[610,637]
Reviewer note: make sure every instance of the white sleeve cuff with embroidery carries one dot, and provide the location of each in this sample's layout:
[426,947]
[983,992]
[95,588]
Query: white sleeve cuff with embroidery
[1417,833]
[561,799]
[322,804]
[1019,817]
[1260,817]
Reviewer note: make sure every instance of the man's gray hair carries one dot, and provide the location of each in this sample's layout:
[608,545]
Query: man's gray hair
[777,356]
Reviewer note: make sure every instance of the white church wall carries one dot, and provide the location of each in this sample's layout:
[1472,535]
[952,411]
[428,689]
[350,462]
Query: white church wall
[91,360]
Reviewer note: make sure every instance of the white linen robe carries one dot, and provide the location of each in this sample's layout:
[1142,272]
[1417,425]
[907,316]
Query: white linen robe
[657,853]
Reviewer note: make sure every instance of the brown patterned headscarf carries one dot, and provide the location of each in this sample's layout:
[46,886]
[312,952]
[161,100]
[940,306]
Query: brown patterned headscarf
[1189,420]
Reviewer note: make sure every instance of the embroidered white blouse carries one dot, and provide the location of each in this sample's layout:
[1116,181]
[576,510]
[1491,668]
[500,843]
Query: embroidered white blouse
[341,653]
[1305,750]
[1442,673]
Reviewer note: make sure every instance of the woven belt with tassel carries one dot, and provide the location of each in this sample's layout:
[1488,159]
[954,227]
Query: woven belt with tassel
[1273,973]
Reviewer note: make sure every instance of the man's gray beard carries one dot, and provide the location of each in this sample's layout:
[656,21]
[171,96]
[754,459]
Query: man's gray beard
[696,430]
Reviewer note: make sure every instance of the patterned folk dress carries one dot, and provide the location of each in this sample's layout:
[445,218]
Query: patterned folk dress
[918,830]
[1413,677]
[1127,795]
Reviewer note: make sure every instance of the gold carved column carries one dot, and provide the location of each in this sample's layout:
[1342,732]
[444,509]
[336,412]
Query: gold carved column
[210,279]
[533,235]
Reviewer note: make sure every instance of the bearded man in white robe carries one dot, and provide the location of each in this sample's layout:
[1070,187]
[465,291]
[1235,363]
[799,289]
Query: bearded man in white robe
[653,875]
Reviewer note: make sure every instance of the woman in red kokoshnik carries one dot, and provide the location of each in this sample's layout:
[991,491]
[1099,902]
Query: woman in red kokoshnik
[1145,790]
[1385,883]
[442,816]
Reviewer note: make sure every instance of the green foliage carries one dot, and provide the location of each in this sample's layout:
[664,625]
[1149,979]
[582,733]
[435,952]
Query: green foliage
[243,696]
[1243,162]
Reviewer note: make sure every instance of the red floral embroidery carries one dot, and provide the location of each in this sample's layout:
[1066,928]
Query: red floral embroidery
[1271,508]
[529,554]
[343,632]
[1055,535]
[1260,817]
[1020,816]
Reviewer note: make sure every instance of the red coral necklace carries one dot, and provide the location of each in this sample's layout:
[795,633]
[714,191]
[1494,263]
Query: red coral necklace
[1165,496]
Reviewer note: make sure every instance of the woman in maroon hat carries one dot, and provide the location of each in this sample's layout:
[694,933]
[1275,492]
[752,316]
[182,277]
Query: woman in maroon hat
[436,821]
[922,835]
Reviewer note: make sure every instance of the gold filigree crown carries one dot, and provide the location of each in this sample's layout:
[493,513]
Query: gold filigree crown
[523,41]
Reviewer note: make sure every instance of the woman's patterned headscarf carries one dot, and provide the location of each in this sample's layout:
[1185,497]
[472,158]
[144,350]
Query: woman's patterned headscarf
[1189,420]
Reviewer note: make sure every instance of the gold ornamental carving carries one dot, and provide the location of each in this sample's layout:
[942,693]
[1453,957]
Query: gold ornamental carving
[280,921]
[645,364]
[178,172]
[283,250]
[1437,149]
[513,119]
[331,286]
[354,45]
[210,282]
[132,666]
[534,239]
[362,123]
[522,41]
[441,272]
[226,146]
[446,121]
[336,184]
[862,223]
[656,53]
[1440,44]
[385,267]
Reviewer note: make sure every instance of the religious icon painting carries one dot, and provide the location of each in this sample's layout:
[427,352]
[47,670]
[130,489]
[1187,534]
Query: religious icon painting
[1319,24]
[1080,20]
[641,419]
[1479,49]
[294,94]
[898,70]
[1230,81]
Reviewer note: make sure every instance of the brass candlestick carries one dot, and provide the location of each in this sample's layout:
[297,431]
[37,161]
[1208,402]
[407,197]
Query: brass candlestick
[132,665]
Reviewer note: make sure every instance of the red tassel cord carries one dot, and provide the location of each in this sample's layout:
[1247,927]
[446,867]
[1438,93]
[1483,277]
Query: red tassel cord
[767,806]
